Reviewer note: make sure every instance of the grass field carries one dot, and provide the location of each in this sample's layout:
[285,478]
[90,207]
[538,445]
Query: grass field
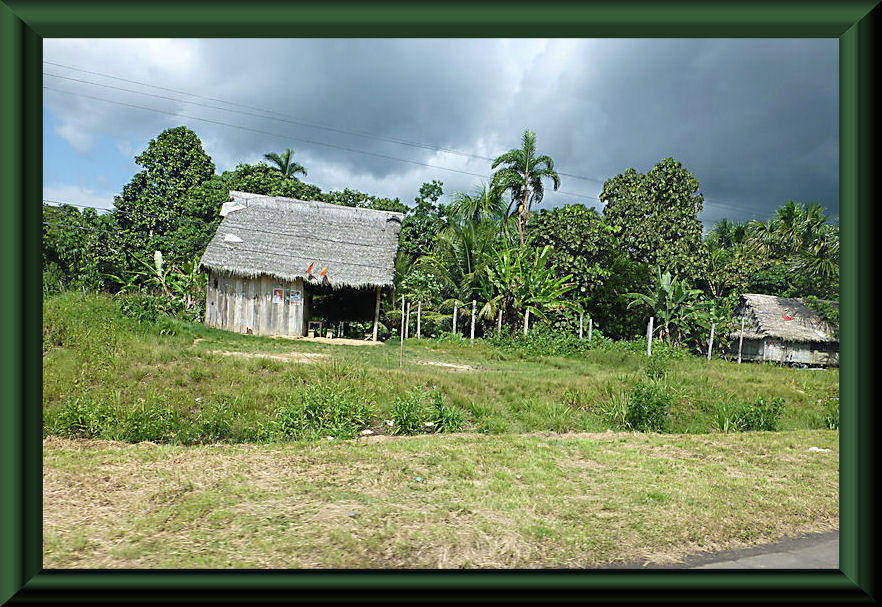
[106,377]
[433,501]
[166,445]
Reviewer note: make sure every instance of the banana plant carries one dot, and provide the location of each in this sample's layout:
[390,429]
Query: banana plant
[674,304]
[523,280]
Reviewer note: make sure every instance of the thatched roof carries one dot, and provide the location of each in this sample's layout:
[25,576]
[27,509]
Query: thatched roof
[784,318]
[281,237]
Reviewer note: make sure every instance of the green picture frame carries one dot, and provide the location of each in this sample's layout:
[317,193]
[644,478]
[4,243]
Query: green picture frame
[23,25]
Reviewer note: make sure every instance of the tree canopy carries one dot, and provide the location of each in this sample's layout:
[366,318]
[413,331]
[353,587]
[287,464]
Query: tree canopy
[657,214]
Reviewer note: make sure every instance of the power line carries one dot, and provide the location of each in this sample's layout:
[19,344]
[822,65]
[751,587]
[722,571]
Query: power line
[299,122]
[752,213]
[302,140]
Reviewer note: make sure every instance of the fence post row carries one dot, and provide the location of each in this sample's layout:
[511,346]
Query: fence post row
[401,355]
[649,336]
[710,342]
[740,339]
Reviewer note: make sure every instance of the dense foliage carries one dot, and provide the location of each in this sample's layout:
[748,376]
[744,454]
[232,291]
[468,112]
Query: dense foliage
[644,255]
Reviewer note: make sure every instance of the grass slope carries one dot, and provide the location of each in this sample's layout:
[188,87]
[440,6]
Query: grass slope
[106,377]
[482,501]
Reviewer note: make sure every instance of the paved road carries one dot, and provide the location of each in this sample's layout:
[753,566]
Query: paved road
[812,551]
[815,551]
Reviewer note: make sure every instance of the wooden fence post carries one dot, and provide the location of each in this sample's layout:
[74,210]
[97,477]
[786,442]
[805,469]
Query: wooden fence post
[649,336]
[526,320]
[580,325]
[401,356]
[499,324]
[740,339]
[590,326]
[407,324]
[710,342]
[419,319]
[455,304]
[377,314]
[474,303]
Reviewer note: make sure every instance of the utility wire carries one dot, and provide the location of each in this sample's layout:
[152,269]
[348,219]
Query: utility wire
[752,213]
[300,122]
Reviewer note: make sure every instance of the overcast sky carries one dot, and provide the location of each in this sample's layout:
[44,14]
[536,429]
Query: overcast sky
[754,120]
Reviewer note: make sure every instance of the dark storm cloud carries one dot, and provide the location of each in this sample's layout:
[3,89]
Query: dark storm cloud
[754,120]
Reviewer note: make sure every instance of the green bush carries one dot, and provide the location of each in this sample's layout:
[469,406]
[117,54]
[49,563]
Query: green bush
[760,415]
[143,308]
[655,368]
[149,420]
[649,407]
[726,417]
[79,418]
[323,410]
[409,413]
[831,413]
[444,417]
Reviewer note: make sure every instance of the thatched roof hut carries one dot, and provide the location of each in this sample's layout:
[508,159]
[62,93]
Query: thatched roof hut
[785,329]
[270,255]
[280,237]
[785,318]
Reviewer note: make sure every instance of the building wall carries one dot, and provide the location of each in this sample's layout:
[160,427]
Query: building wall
[776,350]
[258,306]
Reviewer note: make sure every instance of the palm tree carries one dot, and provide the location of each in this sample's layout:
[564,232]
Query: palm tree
[460,256]
[285,163]
[523,176]
[480,206]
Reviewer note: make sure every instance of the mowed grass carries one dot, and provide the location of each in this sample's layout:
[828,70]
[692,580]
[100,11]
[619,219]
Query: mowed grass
[456,501]
[98,362]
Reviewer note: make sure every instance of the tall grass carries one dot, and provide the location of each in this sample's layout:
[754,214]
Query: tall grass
[110,376]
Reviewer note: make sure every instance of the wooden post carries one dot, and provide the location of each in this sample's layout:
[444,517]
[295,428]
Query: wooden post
[590,327]
[526,320]
[580,325]
[376,314]
[499,324]
[473,321]
[419,319]
[649,336]
[407,324]
[455,305]
[740,339]
[710,342]
[401,356]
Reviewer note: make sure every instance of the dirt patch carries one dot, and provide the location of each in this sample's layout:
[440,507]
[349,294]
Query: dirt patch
[450,366]
[337,341]
[290,357]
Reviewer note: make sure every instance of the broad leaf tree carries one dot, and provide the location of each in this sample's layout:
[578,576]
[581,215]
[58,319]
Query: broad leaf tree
[424,220]
[587,247]
[152,206]
[657,214]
